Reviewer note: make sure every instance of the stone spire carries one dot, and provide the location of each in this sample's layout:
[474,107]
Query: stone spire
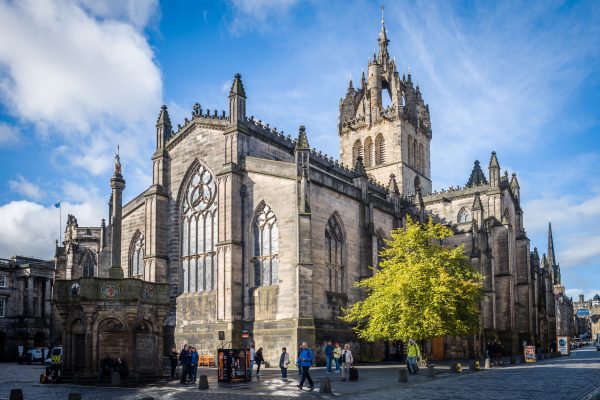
[393,185]
[237,100]
[384,56]
[494,169]
[477,177]
[551,257]
[117,183]
[163,127]
[359,167]
[514,186]
[302,141]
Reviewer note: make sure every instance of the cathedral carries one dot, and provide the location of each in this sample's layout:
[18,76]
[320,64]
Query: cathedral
[254,231]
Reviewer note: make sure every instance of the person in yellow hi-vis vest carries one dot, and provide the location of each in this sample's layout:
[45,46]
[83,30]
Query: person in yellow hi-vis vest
[412,355]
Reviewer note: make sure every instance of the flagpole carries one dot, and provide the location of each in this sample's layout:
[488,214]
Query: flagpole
[59,224]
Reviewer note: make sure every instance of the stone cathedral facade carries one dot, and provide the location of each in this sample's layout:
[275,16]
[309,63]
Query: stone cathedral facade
[253,230]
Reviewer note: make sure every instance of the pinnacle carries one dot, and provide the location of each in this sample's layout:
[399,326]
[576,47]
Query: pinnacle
[237,88]
[477,177]
[302,142]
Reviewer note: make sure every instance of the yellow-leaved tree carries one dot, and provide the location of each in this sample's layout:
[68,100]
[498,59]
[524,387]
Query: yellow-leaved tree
[421,290]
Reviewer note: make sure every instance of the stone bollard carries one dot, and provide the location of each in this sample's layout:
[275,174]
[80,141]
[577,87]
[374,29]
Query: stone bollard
[16,394]
[402,375]
[325,386]
[203,382]
[74,396]
[488,363]
[431,371]
[115,379]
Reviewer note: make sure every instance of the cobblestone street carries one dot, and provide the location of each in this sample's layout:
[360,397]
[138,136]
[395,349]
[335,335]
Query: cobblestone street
[574,377]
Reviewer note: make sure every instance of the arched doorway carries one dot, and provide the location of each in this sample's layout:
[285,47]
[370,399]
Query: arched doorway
[145,351]
[112,339]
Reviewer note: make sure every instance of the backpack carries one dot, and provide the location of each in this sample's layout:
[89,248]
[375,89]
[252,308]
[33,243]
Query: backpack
[344,357]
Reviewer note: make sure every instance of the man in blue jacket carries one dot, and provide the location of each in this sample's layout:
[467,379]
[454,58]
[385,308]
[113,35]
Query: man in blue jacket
[328,356]
[306,358]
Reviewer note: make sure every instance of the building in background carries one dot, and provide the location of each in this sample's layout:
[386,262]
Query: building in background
[25,305]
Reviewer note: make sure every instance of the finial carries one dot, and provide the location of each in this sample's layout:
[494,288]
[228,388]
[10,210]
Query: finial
[117,162]
[382,8]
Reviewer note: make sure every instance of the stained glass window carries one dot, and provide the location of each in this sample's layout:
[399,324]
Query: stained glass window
[198,232]
[266,247]
[334,267]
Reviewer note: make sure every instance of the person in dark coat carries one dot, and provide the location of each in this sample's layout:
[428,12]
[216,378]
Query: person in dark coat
[120,366]
[106,367]
[186,360]
[173,359]
[258,359]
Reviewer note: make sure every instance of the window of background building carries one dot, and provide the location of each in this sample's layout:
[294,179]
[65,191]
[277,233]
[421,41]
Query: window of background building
[2,307]
[2,280]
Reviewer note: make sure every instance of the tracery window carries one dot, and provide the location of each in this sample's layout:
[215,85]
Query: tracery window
[380,246]
[464,216]
[410,151]
[266,247]
[136,255]
[334,265]
[88,265]
[199,232]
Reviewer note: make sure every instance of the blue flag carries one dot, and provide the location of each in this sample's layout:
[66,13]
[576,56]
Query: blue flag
[57,204]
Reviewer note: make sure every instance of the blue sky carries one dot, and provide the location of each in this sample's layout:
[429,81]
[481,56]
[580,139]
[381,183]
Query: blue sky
[77,78]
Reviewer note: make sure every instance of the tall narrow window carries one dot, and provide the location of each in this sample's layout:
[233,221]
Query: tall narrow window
[266,247]
[198,230]
[88,265]
[421,159]
[2,306]
[414,154]
[334,267]
[409,151]
[136,256]
[369,152]
[379,149]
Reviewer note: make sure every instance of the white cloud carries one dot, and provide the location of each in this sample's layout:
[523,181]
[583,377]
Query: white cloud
[9,136]
[259,15]
[83,72]
[66,68]
[30,229]
[25,188]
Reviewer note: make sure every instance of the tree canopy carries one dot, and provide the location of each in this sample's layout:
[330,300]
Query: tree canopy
[421,290]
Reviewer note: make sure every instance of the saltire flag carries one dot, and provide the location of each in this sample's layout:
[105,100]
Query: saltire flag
[57,204]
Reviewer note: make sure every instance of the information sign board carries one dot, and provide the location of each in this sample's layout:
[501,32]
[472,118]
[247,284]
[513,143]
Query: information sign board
[562,345]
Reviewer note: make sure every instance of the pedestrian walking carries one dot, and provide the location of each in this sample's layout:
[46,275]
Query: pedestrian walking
[173,359]
[258,359]
[252,355]
[328,356]
[120,366]
[284,363]
[347,361]
[412,355]
[306,358]
[184,358]
[193,364]
[497,352]
[337,357]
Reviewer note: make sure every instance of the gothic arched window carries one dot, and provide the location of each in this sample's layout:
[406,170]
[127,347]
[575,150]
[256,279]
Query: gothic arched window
[464,216]
[199,231]
[357,150]
[88,266]
[415,156]
[136,256]
[421,159]
[369,152]
[379,149]
[266,247]
[334,264]
[409,151]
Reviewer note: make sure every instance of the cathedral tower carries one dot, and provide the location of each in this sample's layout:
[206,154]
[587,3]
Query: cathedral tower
[394,136]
